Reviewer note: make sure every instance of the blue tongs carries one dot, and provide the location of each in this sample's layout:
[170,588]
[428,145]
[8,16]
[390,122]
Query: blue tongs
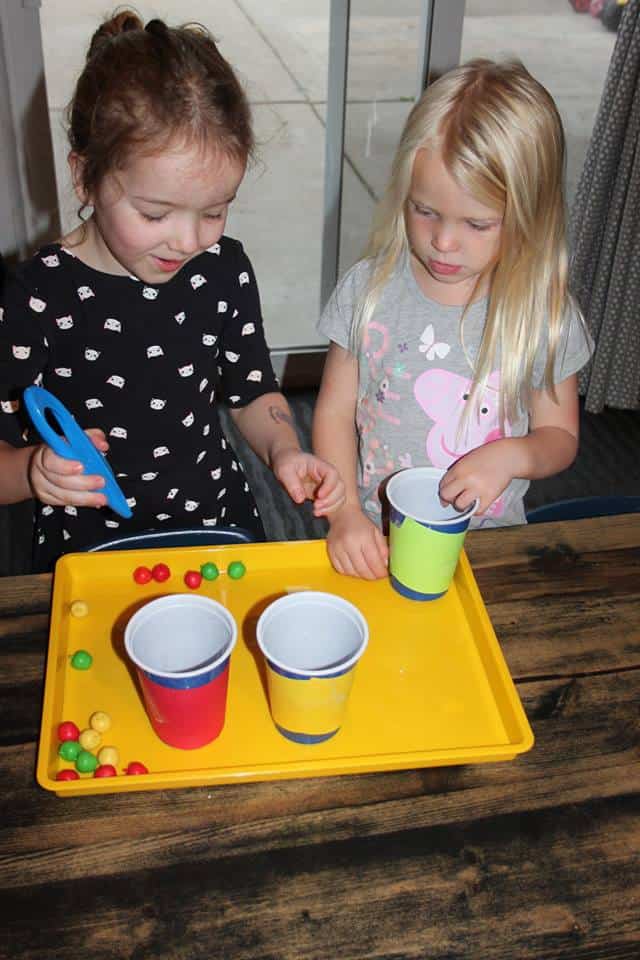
[73,444]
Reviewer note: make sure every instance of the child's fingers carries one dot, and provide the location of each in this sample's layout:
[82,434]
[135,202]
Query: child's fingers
[326,508]
[327,479]
[369,564]
[68,473]
[98,438]
[354,564]
[382,545]
[293,485]
[358,560]
[456,492]
[450,488]
[325,505]
[59,481]
[377,555]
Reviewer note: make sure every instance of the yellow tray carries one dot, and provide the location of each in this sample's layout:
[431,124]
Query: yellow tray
[431,689]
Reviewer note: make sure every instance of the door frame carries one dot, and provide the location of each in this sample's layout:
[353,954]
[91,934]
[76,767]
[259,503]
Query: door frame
[28,197]
[440,31]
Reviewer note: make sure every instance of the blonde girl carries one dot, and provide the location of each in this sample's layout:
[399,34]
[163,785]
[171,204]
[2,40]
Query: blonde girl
[454,342]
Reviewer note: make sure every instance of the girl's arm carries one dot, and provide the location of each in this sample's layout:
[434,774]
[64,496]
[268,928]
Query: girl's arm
[36,471]
[356,546]
[267,425]
[14,473]
[334,418]
[549,447]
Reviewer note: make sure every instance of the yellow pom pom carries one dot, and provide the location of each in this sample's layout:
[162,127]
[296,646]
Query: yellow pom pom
[79,608]
[109,755]
[90,739]
[100,721]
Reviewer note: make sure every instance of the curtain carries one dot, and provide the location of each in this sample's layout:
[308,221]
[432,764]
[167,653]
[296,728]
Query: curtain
[604,231]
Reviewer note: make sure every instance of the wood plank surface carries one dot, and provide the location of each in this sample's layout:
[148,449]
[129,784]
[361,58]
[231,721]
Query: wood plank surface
[535,858]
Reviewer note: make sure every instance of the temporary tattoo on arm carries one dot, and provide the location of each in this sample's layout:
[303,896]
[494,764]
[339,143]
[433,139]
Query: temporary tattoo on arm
[280,416]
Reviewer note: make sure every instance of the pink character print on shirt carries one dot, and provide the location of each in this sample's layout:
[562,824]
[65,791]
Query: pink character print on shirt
[376,405]
[442,395]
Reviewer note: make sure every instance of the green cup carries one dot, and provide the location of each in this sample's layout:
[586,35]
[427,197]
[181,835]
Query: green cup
[425,537]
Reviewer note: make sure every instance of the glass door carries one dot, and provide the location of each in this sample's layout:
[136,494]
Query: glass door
[566,50]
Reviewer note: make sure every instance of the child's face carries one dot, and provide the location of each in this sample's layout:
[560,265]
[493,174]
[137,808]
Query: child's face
[159,212]
[453,238]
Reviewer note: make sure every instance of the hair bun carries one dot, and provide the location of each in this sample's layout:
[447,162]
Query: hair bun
[157,28]
[120,23]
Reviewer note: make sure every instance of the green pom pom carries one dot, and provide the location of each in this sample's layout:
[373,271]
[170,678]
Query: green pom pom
[69,750]
[86,762]
[81,660]
[236,570]
[209,571]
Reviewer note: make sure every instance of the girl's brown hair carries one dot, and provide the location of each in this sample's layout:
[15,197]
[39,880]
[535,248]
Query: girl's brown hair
[143,88]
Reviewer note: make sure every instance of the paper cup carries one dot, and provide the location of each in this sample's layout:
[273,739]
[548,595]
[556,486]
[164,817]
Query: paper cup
[425,537]
[311,642]
[181,645]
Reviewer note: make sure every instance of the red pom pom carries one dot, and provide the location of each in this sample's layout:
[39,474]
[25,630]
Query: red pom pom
[67,775]
[142,575]
[160,572]
[105,770]
[68,731]
[193,579]
[135,768]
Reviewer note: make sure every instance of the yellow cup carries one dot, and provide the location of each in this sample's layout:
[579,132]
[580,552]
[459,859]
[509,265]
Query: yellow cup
[311,642]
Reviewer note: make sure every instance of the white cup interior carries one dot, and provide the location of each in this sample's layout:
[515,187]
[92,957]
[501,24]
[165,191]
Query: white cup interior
[179,634]
[312,632]
[414,493]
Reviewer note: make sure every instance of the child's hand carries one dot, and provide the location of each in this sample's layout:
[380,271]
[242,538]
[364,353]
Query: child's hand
[307,477]
[356,546]
[483,473]
[60,482]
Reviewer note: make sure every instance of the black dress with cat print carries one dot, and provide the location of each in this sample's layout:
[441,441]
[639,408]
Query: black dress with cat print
[146,364]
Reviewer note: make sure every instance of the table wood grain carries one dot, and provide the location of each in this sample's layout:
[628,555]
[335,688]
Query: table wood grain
[534,858]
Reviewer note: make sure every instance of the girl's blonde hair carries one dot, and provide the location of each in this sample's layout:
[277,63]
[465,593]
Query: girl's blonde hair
[501,140]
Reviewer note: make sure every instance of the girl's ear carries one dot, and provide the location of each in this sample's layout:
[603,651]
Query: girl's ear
[76,165]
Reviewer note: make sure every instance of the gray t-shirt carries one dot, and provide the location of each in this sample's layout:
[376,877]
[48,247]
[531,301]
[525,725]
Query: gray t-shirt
[414,378]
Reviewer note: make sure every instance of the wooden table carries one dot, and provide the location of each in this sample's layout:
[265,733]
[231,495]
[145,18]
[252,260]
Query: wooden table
[534,858]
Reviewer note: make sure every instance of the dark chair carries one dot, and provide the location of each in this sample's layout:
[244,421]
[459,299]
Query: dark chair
[582,507]
[161,539]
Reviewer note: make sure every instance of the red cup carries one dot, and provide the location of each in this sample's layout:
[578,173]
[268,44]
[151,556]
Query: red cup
[181,646]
